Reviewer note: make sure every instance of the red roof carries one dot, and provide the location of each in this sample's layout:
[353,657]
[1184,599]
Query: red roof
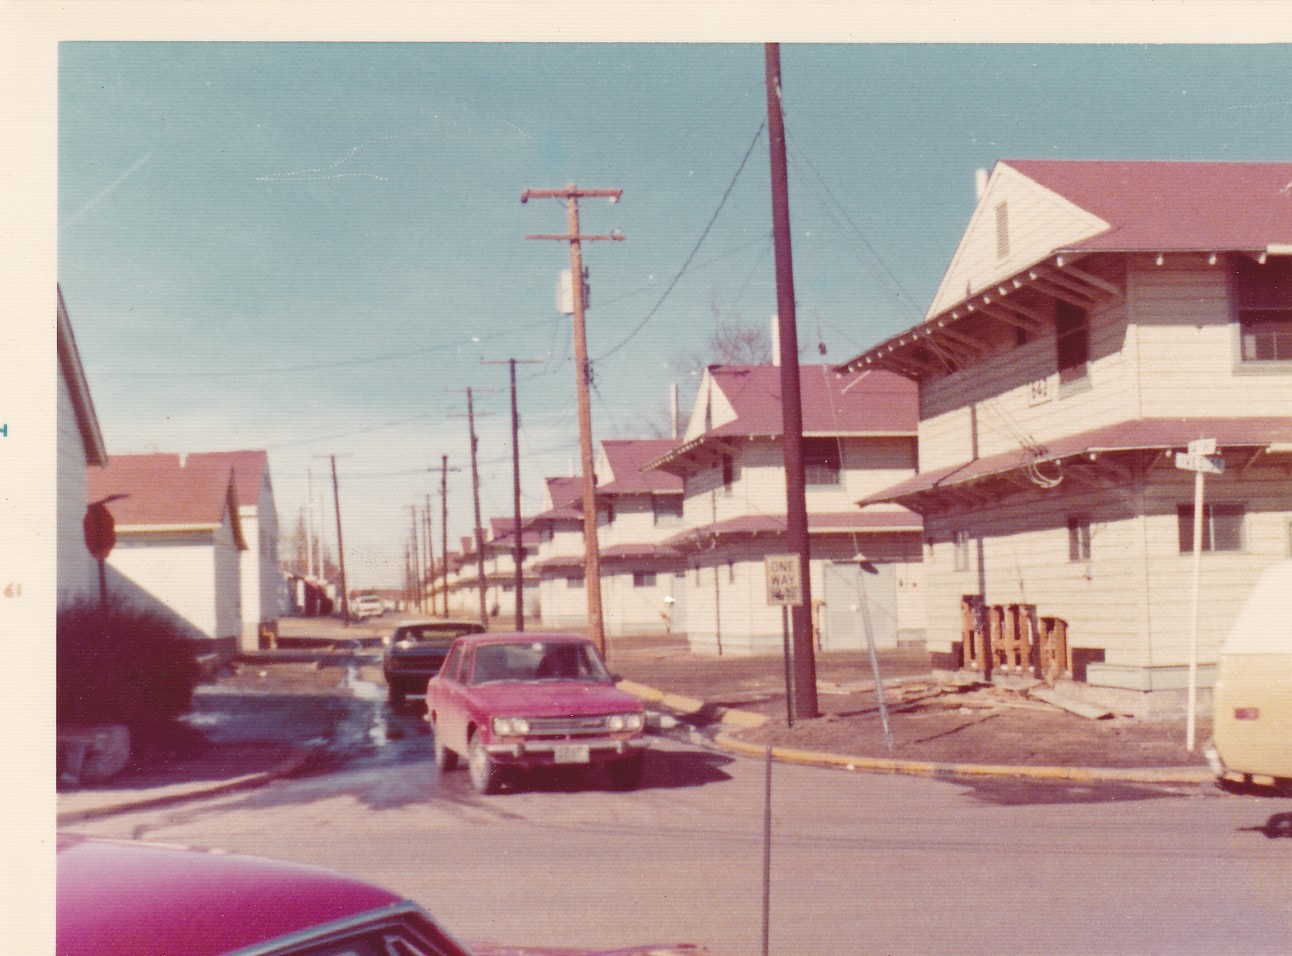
[164,490]
[1163,206]
[564,490]
[838,522]
[249,470]
[1133,435]
[628,459]
[834,403]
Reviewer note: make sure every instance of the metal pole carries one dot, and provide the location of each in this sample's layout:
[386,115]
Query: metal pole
[1199,479]
[796,527]
[789,666]
[874,656]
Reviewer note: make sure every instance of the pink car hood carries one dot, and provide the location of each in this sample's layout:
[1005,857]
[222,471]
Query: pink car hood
[553,699]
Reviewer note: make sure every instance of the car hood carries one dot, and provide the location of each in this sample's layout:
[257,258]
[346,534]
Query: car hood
[554,698]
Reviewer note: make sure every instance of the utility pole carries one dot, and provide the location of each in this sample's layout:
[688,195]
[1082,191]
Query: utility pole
[430,554]
[475,493]
[444,528]
[518,550]
[309,524]
[796,529]
[415,551]
[592,555]
[340,546]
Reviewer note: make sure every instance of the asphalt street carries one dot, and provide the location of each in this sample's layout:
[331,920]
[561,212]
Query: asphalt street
[860,863]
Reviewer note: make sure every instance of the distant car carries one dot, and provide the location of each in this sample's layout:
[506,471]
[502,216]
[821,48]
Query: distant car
[122,898]
[364,606]
[414,652]
[516,702]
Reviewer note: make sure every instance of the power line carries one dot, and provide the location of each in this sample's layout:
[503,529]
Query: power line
[699,242]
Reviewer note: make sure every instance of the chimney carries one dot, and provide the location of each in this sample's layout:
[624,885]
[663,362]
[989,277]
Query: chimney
[776,340]
[979,182]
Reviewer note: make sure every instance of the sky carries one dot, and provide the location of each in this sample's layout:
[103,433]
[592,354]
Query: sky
[315,248]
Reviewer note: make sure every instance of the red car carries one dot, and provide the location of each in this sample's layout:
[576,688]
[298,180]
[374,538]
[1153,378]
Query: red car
[515,702]
[118,898]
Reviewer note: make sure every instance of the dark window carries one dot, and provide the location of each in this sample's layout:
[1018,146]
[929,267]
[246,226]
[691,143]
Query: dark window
[643,579]
[728,473]
[822,461]
[1263,298]
[1222,527]
[1079,538]
[961,541]
[574,581]
[731,572]
[1072,337]
[667,509]
[450,669]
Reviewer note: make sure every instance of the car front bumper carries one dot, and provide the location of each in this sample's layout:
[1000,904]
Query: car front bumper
[543,752]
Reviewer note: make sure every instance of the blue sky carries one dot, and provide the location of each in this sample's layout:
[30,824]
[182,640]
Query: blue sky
[310,248]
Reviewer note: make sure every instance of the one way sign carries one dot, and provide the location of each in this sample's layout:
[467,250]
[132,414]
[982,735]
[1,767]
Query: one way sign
[784,580]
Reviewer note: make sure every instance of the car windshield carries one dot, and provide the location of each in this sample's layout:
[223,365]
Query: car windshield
[431,632]
[537,661]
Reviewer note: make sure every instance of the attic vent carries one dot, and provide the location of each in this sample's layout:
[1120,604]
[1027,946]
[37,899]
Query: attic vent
[1002,230]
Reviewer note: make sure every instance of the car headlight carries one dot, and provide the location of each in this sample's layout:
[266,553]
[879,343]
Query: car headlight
[617,722]
[510,726]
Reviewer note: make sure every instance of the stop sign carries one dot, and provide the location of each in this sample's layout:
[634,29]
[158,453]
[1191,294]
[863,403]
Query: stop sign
[100,530]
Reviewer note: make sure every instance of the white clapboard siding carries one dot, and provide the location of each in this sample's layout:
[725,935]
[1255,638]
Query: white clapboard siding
[1039,221]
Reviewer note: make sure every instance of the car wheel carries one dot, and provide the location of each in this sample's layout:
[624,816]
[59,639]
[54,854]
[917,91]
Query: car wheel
[445,758]
[485,775]
[626,774]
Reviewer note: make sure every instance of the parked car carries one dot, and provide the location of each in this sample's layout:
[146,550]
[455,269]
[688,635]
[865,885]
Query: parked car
[122,898]
[364,606]
[414,652]
[515,702]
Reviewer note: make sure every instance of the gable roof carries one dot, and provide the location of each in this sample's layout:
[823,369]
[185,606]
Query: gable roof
[69,366]
[1172,206]
[870,403]
[628,459]
[249,470]
[162,492]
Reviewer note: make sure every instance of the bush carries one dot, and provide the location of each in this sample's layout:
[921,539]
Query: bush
[122,665]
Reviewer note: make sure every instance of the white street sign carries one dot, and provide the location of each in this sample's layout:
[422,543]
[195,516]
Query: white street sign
[784,580]
[1207,464]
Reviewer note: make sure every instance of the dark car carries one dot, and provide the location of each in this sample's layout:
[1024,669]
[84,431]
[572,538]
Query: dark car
[415,651]
[121,898]
[515,702]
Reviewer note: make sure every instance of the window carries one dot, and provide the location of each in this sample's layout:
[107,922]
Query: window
[574,581]
[961,540]
[728,473]
[1222,527]
[822,461]
[731,572]
[1263,302]
[643,579]
[1002,230]
[1072,341]
[1079,538]
[609,513]
[667,509]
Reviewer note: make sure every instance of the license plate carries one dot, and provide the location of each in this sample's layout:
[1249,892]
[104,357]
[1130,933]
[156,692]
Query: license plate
[571,753]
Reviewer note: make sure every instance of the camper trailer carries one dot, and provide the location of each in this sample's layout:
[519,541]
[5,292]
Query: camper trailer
[1253,693]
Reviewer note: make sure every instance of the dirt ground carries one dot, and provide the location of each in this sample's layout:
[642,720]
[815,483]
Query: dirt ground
[929,720]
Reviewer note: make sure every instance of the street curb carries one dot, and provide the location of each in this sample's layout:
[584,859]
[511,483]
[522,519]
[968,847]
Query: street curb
[246,782]
[739,719]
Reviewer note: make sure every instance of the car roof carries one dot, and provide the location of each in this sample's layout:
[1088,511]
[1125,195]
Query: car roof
[527,637]
[138,899]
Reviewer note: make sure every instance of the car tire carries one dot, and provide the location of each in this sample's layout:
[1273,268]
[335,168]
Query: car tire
[445,758]
[626,774]
[485,774]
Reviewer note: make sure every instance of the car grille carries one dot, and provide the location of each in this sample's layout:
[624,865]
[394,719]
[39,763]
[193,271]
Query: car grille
[566,726]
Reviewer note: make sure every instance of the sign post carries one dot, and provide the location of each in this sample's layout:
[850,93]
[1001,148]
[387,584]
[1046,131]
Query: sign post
[1202,460]
[785,588]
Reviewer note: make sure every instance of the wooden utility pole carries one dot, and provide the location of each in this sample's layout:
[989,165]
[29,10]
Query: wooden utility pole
[518,550]
[430,554]
[796,528]
[592,556]
[475,494]
[340,545]
[415,550]
[444,529]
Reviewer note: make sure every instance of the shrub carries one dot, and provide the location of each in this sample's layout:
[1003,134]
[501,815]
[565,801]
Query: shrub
[121,664]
